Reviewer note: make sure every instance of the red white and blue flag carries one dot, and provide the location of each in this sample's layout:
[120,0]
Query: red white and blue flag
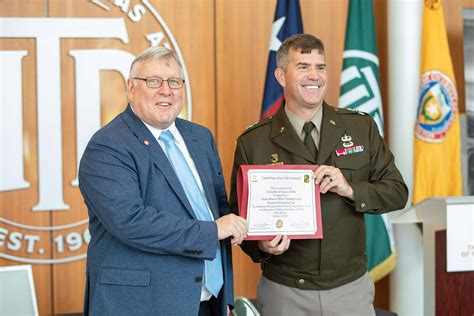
[287,22]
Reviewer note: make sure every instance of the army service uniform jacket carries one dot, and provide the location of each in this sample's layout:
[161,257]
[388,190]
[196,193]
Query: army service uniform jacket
[338,258]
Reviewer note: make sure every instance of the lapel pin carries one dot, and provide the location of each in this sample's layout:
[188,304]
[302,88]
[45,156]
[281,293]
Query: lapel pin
[332,122]
[146,142]
[274,158]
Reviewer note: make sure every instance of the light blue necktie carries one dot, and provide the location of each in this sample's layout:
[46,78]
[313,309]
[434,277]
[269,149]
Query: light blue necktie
[213,276]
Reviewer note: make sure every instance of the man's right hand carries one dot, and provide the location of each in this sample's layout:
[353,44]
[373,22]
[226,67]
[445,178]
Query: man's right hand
[232,226]
[276,246]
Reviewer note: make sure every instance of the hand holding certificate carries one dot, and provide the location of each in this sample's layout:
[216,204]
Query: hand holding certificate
[279,199]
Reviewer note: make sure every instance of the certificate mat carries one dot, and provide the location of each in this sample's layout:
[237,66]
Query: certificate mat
[279,199]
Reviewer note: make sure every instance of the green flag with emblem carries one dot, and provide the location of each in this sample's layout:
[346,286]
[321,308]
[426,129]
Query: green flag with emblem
[360,91]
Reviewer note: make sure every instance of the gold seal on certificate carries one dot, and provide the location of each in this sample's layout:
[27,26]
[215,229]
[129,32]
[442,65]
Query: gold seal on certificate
[279,200]
[279,223]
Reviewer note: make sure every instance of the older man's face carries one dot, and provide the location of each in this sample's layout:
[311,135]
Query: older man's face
[157,107]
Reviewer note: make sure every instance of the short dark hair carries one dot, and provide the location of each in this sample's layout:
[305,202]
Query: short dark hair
[305,43]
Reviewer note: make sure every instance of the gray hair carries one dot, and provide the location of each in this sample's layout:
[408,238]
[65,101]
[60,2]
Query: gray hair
[156,53]
[305,43]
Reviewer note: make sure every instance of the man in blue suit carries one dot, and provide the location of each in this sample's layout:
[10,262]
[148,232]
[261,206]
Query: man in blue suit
[158,211]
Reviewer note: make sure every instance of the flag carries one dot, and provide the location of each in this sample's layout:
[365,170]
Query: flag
[287,22]
[360,90]
[437,149]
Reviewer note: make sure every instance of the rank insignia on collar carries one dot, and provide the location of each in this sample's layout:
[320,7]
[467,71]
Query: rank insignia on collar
[282,129]
[274,158]
[349,151]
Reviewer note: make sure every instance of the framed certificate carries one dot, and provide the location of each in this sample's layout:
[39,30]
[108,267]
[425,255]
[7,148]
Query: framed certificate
[279,199]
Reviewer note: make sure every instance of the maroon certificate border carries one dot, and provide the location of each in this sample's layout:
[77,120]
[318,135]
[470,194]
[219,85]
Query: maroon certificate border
[243,195]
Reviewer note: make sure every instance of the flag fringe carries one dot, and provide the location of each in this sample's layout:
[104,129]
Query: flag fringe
[384,268]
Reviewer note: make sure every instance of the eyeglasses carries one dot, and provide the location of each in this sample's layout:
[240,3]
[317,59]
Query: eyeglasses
[156,82]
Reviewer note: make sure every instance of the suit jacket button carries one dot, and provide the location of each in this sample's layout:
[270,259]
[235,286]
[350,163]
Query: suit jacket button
[363,205]
[301,281]
[198,279]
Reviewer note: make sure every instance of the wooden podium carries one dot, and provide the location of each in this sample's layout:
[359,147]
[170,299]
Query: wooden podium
[443,293]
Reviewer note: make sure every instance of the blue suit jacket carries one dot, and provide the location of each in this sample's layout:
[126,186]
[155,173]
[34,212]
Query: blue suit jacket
[147,249]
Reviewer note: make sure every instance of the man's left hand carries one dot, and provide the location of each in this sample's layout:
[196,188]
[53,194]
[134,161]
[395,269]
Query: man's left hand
[331,179]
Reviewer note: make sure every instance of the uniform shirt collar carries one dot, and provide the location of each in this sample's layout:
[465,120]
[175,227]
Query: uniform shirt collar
[298,122]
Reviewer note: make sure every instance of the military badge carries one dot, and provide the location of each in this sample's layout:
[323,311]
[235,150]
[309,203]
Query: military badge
[349,151]
[274,158]
[347,141]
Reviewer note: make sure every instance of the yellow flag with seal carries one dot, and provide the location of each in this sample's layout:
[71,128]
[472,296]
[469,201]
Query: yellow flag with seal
[437,146]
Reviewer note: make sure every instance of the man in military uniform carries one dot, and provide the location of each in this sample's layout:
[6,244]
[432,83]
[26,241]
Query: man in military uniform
[356,174]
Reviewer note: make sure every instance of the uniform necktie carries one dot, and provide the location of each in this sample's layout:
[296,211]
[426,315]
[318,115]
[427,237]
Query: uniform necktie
[308,139]
[213,276]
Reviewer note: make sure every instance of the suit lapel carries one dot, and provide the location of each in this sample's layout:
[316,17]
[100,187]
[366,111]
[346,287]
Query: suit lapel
[157,154]
[285,136]
[197,150]
[331,133]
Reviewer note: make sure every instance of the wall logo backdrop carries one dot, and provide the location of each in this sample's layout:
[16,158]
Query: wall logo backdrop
[74,70]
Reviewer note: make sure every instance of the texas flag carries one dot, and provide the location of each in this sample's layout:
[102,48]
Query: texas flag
[287,22]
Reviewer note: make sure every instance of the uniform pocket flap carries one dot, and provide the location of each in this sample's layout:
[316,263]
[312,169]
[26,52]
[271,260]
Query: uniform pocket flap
[353,161]
[125,277]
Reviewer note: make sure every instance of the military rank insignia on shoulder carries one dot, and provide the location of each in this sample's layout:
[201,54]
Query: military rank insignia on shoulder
[349,111]
[251,125]
[259,123]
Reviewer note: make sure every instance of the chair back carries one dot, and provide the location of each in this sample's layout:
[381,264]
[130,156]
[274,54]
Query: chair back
[244,307]
[17,291]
